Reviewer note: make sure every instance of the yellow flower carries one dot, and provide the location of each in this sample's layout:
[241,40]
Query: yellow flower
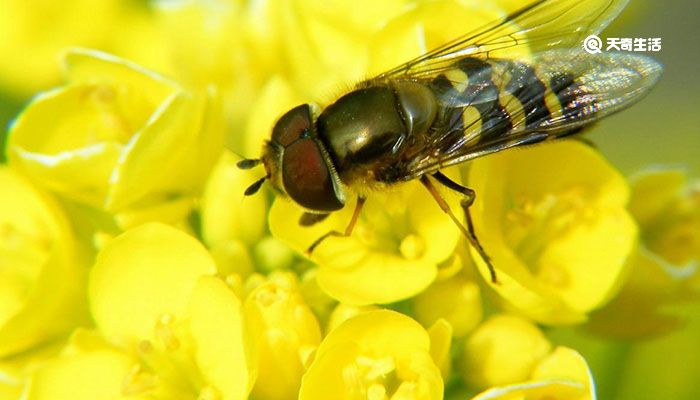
[665,268]
[513,359]
[165,327]
[502,350]
[120,139]
[42,270]
[375,355]
[553,220]
[562,375]
[287,333]
[393,253]
[667,209]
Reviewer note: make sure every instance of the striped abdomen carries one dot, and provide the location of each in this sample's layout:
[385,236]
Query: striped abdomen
[483,101]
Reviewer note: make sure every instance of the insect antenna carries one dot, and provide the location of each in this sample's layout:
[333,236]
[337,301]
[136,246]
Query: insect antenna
[252,189]
[248,163]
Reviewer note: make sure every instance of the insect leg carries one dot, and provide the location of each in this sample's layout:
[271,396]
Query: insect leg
[466,203]
[348,229]
[309,219]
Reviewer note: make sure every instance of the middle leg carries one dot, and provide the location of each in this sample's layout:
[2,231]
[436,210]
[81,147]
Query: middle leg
[468,200]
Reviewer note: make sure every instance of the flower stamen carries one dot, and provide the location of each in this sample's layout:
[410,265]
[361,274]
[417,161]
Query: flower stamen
[138,381]
[164,332]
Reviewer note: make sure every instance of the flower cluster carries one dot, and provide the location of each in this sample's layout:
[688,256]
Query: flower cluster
[132,266]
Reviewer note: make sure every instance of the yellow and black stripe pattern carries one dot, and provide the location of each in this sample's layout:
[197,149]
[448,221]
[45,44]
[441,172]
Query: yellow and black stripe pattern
[487,101]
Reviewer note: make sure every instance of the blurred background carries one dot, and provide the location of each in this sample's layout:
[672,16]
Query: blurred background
[663,129]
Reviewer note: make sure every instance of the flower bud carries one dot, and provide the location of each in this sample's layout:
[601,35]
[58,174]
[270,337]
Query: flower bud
[502,350]
[457,300]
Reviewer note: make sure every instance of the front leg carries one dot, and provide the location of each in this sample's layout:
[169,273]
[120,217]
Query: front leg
[348,229]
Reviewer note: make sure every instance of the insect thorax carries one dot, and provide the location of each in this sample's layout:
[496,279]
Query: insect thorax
[366,129]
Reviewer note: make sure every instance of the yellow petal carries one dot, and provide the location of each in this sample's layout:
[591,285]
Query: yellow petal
[653,191]
[169,211]
[227,215]
[373,353]
[376,273]
[139,88]
[440,341]
[141,275]
[565,363]
[169,156]
[42,270]
[395,333]
[97,374]
[537,390]
[423,27]
[54,145]
[343,312]
[223,349]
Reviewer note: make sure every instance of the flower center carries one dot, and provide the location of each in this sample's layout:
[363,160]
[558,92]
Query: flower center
[412,247]
[167,367]
[372,378]
[533,223]
[676,237]
[386,227]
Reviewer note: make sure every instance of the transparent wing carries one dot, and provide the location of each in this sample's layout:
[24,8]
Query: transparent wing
[542,25]
[559,92]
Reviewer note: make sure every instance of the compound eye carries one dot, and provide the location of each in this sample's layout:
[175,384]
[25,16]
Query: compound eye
[307,179]
[292,125]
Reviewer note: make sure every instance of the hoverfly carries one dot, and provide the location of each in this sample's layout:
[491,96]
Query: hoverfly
[455,103]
